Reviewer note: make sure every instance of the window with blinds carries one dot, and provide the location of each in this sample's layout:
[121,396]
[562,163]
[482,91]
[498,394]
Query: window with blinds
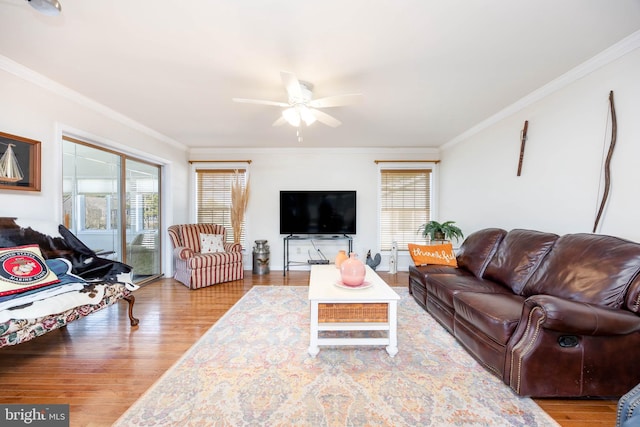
[213,198]
[405,204]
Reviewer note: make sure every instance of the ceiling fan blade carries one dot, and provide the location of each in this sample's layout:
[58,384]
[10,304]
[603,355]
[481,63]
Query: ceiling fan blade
[336,101]
[279,122]
[291,83]
[323,117]
[261,102]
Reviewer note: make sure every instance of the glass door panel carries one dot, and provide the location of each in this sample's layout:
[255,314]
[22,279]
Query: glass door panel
[91,202]
[142,218]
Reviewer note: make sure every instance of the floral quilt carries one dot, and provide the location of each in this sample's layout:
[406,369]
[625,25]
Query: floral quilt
[18,330]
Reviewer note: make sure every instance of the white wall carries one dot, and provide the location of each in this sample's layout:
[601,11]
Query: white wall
[272,170]
[558,191]
[38,109]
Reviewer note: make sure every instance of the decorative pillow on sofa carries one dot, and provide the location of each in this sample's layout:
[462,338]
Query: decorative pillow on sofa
[22,268]
[433,254]
[211,243]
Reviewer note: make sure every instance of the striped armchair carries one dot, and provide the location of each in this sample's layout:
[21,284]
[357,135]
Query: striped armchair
[198,270]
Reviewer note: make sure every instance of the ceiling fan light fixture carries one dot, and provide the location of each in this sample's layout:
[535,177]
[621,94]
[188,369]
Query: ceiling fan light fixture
[291,116]
[306,115]
[46,7]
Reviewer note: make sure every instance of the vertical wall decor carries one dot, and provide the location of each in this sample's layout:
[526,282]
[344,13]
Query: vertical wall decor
[19,163]
[607,163]
[523,140]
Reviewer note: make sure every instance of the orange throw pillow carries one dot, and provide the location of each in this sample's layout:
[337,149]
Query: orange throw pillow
[433,254]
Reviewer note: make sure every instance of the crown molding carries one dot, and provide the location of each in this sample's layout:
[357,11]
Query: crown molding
[38,79]
[607,56]
[400,152]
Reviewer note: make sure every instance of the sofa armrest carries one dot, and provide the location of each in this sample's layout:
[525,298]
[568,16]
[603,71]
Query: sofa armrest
[572,317]
[233,247]
[182,252]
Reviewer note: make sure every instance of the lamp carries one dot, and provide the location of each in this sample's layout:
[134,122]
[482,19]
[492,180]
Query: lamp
[46,7]
[291,116]
[307,116]
[294,115]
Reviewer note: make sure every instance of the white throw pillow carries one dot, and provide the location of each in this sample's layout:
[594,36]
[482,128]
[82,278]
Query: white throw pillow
[210,243]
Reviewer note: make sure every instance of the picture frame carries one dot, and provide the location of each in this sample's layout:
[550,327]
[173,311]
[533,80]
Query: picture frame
[19,163]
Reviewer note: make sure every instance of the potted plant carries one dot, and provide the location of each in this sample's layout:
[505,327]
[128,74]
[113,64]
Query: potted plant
[441,231]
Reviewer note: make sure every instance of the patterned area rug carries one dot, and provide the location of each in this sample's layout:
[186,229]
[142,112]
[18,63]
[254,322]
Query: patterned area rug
[252,369]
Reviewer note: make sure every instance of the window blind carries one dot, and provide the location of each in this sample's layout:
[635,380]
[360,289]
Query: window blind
[405,204]
[213,204]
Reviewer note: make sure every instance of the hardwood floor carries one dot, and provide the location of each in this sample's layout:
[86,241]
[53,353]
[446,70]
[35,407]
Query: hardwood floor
[100,364]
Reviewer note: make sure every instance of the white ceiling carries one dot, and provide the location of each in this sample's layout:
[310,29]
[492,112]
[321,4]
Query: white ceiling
[428,69]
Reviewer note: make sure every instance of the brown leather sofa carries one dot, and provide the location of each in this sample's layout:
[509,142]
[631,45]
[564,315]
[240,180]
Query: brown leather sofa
[552,316]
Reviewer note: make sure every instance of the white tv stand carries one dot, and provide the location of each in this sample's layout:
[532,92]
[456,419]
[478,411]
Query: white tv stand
[291,237]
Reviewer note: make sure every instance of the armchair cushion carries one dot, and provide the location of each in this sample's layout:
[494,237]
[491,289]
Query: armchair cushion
[211,243]
[200,260]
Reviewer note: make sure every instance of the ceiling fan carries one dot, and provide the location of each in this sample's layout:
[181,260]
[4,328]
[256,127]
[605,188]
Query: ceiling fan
[300,107]
[46,7]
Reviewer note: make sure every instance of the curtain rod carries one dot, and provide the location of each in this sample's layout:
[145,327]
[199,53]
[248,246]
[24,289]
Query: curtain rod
[406,161]
[220,161]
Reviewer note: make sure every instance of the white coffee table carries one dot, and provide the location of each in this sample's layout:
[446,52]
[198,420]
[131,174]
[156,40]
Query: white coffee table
[334,308]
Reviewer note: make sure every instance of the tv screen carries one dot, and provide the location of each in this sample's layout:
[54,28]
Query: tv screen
[317,212]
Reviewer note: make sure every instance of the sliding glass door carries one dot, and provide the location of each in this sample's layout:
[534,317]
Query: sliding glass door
[142,218]
[112,203]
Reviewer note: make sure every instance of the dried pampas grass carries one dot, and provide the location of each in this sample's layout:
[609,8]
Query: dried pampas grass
[239,200]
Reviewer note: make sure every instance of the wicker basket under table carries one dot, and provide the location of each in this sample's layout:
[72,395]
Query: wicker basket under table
[353,312]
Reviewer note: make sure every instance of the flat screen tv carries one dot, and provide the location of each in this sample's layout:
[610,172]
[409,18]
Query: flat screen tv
[317,212]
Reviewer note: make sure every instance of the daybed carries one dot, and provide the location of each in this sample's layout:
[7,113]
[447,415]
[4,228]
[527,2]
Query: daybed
[202,255]
[551,316]
[72,282]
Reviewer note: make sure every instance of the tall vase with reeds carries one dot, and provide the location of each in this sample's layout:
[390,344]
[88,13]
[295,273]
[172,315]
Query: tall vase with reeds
[239,200]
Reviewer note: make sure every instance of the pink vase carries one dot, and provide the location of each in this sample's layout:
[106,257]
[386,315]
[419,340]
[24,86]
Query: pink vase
[340,258]
[352,271]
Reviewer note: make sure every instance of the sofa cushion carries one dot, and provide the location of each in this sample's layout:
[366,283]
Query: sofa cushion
[477,249]
[496,315]
[589,268]
[518,256]
[420,273]
[445,286]
[632,301]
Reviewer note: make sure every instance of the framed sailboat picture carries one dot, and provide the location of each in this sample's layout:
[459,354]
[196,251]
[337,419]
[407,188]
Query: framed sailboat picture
[19,163]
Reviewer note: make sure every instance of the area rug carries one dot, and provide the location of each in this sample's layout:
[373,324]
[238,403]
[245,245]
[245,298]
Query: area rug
[252,369]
